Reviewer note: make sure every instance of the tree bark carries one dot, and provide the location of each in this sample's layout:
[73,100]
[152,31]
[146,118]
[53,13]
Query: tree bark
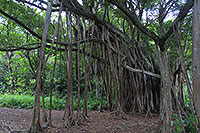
[35,126]
[54,66]
[196,56]
[69,104]
[166,84]
[85,73]
[43,96]
[78,115]
[183,69]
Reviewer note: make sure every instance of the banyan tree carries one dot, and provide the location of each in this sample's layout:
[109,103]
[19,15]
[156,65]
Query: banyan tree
[122,46]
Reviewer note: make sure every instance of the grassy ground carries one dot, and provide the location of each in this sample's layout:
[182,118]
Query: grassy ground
[27,101]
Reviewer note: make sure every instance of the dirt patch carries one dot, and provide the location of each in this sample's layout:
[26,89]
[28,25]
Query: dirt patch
[98,122]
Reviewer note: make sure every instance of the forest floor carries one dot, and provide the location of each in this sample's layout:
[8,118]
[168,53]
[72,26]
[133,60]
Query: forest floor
[13,120]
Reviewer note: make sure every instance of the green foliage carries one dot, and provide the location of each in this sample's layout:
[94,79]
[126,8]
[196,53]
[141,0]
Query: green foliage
[27,101]
[93,103]
[16,101]
[188,124]
[20,73]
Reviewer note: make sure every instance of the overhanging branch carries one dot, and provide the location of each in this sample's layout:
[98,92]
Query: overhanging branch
[140,71]
[79,10]
[60,49]
[132,16]
[185,9]
[37,6]
[48,46]
[27,28]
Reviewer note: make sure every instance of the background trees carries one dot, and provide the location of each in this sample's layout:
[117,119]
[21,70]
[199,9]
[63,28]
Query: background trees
[136,54]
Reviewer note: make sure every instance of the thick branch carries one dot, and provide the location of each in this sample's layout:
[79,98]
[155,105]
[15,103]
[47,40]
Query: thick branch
[60,49]
[27,28]
[185,9]
[33,4]
[140,71]
[132,16]
[79,10]
[48,46]
[19,48]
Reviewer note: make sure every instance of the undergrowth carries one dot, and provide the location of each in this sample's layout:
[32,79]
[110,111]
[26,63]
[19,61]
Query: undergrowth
[187,121]
[26,101]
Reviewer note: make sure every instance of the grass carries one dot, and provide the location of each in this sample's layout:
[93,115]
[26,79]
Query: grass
[27,101]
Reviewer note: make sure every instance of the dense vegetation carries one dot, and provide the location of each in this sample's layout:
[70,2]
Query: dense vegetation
[27,101]
[116,55]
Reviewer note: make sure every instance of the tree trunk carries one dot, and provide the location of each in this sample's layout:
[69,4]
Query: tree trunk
[183,69]
[35,126]
[103,77]
[196,56]
[52,86]
[86,73]
[43,96]
[70,104]
[54,66]
[78,115]
[166,84]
